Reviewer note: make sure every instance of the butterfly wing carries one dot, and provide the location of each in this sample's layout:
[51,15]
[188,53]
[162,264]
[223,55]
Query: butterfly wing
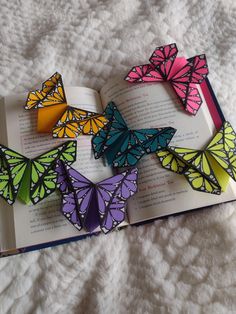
[43,177]
[171,162]
[34,99]
[13,166]
[51,83]
[200,182]
[137,143]
[198,69]
[107,137]
[143,74]
[52,93]
[69,209]
[201,175]
[77,121]
[112,196]
[223,149]
[77,194]
[195,166]
[163,59]
[183,82]
[189,96]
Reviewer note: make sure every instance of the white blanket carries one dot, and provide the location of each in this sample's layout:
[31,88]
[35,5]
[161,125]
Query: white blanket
[184,264]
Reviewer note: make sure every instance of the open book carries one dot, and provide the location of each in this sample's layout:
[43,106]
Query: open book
[160,192]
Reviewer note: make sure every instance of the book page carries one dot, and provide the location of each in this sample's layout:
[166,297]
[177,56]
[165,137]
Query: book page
[153,105]
[44,222]
[7,234]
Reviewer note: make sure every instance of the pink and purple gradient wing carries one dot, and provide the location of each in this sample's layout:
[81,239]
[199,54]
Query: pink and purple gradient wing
[112,196]
[143,74]
[163,59]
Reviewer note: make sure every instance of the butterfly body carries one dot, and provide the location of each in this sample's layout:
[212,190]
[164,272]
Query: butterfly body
[206,170]
[182,74]
[123,146]
[88,205]
[56,115]
[31,179]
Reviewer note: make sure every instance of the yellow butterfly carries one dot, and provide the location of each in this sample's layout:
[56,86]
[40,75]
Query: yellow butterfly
[57,116]
[206,170]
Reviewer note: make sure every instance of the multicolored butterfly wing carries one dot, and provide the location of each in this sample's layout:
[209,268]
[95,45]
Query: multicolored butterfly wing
[223,149]
[77,121]
[163,59]
[52,93]
[111,133]
[112,196]
[43,177]
[13,166]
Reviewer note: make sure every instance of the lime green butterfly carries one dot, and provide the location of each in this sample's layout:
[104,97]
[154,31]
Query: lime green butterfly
[32,179]
[206,170]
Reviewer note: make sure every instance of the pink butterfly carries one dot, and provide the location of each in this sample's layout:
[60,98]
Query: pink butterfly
[181,73]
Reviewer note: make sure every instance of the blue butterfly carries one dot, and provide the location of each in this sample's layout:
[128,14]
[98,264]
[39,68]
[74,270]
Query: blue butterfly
[124,147]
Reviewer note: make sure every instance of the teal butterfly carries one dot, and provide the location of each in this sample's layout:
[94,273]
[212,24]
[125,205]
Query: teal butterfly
[32,179]
[124,147]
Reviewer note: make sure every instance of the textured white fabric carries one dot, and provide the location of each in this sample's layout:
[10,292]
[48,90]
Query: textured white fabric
[184,264]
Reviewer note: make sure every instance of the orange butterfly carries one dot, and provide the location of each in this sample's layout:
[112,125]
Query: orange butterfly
[56,115]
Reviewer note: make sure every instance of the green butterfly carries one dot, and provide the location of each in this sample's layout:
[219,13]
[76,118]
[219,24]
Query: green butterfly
[209,169]
[32,179]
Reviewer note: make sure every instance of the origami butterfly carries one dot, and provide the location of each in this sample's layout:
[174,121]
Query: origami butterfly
[206,170]
[88,205]
[123,146]
[55,115]
[31,179]
[181,73]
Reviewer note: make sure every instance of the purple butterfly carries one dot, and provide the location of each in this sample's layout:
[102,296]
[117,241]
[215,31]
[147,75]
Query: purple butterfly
[88,205]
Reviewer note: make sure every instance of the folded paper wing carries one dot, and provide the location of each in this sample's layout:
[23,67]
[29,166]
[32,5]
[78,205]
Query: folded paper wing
[88,205]
[206,170]
[31,179]
[55,115]
[181,73]
[124,147]
[75,121]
